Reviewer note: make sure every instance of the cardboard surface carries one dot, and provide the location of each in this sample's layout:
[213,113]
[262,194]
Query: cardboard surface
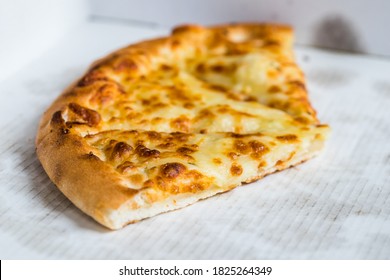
[336,206]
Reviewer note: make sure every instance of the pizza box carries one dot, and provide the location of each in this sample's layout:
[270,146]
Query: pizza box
[335,206]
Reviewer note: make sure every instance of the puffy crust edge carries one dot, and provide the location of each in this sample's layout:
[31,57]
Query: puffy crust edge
[88,182]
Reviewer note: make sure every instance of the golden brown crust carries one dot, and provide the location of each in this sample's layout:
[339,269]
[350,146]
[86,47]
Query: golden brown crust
[103,172]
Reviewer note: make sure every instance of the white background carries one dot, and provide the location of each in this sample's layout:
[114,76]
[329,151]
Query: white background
[29,28]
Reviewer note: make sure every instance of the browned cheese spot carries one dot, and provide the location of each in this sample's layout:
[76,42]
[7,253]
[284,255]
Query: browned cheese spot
[241,147]
[136,179]
[165,67]
[57,118]
[280,163]
[297,84]
[145,102]
[271,43]
[196,187]
[92,77]
[125,65]
[318,136]
[262,164]
[181,123]
[237,135]
[106,94]
[290,156]
[172,170]
[90,156]
[190,181]
[153,103]
[83,115]
[217,161]
[134,115]
[236,169]
[121,150]
[157,120]
[185,150]
[177,94]
[205,114]
[166,145]
[258,149]
[175,44]
[159,105]
[194,174]
[322,125]
[302,120]
[226,109]
[274,89]
[153,135]
[288,138]
[201,68]
[178,137]
[161,183]
[189,105]
[232,155]
[149,184]
[143,151]
[219,68]
[139,142]
[126,167]
[236,51]
[250,99]
[217,87]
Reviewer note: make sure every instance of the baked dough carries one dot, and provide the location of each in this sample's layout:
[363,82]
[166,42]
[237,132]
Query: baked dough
[161,124]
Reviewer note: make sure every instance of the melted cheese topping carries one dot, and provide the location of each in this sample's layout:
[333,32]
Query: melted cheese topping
[198,118]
